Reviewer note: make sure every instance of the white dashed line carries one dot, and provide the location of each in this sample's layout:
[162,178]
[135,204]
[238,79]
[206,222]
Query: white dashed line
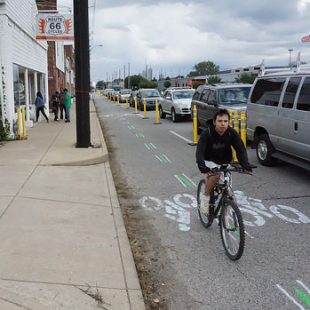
[183,138]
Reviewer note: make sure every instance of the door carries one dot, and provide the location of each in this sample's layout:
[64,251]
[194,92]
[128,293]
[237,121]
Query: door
[302,121]
[212,107]
[286,127]
[202,108]
[167,102]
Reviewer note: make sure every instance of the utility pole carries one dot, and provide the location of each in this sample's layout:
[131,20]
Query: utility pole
[129,75]
[81,42]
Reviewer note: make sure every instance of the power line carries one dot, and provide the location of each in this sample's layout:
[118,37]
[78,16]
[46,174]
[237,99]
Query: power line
[93,22]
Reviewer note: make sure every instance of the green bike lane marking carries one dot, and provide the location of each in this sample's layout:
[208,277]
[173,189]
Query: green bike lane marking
[150,146]
[153,146]
[303,296]
[163,158]
[131,127]
[140,135]
[185,180]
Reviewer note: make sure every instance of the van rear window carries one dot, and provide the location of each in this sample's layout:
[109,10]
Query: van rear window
[268,91]
[304,96]
[290,92]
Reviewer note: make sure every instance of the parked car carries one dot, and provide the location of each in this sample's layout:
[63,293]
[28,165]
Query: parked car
[210,98]
[149,96]
[176,102]
[107,91]
[123,94]
[278,117]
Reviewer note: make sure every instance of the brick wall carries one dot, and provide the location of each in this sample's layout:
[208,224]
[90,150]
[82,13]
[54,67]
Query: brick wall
[46,5]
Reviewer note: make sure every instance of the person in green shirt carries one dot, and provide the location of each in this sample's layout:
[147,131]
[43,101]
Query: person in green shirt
[67,105]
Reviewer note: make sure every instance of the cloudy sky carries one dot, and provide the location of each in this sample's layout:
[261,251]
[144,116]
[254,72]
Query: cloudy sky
[172,36]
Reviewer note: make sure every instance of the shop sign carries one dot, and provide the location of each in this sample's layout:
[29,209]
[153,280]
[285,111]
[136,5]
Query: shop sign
[52,27]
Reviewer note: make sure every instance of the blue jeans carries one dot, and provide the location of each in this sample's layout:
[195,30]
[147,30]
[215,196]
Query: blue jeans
[67,113]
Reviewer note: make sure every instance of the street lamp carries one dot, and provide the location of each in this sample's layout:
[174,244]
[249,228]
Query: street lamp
[290,57]
[92,47]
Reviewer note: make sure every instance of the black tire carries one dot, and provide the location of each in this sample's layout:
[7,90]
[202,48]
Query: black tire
[199,130]
[162,114]
[232,230]
[206,221]
[264,150]
[174,116]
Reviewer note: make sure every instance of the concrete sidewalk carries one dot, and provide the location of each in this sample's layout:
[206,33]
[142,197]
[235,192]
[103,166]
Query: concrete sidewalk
[63,244]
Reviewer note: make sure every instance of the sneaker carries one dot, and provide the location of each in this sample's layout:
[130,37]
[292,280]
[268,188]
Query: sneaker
[204,204]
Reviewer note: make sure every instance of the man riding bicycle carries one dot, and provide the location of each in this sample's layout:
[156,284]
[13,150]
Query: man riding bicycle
[214,149]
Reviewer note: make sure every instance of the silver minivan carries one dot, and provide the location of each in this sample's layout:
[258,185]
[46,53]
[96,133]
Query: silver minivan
[278,117]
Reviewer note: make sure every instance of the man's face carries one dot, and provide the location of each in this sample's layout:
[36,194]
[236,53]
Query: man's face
[221,124]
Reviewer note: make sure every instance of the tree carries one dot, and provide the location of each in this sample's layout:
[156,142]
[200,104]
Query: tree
[206,68]
[134,81]
[167,84]
[193,73]
[213,79]
[196,84]
[100,85]
[247,78]
[147,84]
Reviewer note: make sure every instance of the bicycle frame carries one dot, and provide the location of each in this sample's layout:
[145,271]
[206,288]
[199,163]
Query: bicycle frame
[224,189]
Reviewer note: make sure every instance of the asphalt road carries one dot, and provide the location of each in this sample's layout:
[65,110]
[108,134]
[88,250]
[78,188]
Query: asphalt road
[159,166]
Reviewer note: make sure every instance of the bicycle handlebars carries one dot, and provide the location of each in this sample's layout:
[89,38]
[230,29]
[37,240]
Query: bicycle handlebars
[232,167]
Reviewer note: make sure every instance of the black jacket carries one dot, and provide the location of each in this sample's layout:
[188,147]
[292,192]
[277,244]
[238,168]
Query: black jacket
[214,147]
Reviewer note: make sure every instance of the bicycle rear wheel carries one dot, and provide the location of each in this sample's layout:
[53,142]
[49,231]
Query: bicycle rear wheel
[232,230]
[205,220]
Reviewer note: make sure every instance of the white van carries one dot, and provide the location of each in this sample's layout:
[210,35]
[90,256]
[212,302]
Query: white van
[278,117]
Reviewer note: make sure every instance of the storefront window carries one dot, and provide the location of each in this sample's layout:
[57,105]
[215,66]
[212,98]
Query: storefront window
[19,86]
[41,84]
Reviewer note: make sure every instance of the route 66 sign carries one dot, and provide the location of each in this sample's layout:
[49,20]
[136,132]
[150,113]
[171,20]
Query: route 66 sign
[53,27]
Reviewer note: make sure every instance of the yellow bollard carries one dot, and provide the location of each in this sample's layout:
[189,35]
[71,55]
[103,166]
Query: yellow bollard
[144,110]
[127,106]
[232,124]
[117,99]
[136,105]
[243,127]
[24,122]
[18,124]
[236,122]
[195,125]
[231,121]
[157,122]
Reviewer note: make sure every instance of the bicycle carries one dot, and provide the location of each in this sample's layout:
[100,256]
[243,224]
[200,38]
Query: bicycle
[223,207]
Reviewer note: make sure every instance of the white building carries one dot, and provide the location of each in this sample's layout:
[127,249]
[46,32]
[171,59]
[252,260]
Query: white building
[23,59]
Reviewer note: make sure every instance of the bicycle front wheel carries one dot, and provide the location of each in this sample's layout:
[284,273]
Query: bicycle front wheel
[232,230]
[205,220]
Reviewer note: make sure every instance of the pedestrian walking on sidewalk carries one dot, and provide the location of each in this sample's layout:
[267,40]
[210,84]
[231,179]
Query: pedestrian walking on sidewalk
[55,105]
[40,106]
[62,108]
[68,104]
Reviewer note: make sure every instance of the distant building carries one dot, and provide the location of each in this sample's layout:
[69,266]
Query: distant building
[227,76]
[147,73]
